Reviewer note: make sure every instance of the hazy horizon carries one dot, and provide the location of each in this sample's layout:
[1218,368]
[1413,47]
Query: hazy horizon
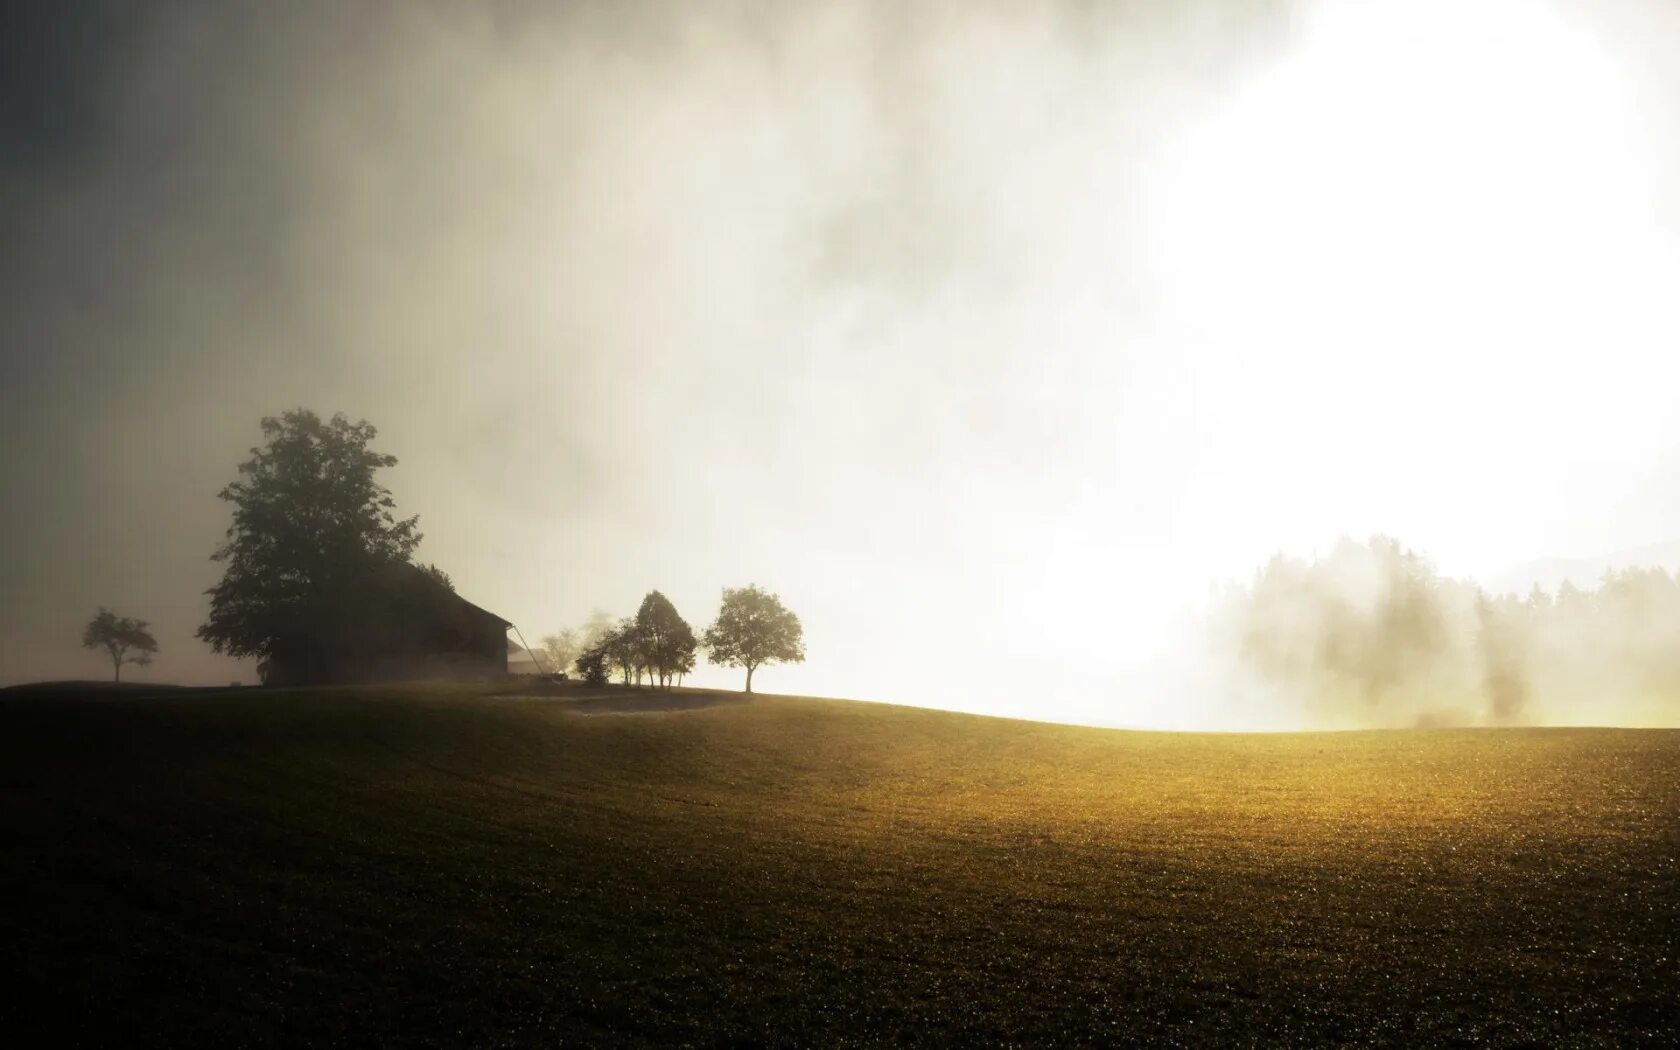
[989,336]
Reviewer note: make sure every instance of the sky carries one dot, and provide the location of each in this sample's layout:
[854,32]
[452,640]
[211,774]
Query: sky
[989,335]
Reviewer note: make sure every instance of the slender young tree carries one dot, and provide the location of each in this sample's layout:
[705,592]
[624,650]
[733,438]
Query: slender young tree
[754,628]
[126,640]
[623,650]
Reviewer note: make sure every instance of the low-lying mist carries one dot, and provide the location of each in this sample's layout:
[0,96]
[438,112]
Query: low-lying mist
[1370,635]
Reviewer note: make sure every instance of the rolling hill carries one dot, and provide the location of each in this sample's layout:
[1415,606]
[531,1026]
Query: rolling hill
[444,866]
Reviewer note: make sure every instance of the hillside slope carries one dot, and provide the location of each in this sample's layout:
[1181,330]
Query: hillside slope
[437,866]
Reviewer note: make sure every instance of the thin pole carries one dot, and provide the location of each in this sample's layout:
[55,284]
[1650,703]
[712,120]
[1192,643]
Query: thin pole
[528,648]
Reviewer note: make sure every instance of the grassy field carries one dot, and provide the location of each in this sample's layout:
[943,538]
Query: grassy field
[437,866]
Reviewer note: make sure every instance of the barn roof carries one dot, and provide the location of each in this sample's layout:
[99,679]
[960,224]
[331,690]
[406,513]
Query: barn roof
[449,596]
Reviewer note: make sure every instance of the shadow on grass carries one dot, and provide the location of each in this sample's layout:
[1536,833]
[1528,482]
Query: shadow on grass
[648,703]
[618,699]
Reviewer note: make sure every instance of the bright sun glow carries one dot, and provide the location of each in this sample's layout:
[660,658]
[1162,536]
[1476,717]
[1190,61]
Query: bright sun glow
[1408,282]
[1413,247]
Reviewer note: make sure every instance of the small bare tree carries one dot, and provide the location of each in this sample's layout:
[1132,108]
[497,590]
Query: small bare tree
[561,649]
[125,638]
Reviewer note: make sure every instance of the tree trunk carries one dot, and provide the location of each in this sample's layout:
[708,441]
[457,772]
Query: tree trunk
[116,669]
[750,670]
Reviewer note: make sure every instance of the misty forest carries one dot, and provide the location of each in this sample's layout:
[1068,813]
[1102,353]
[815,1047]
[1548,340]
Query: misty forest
[1371,635]
[1018,523]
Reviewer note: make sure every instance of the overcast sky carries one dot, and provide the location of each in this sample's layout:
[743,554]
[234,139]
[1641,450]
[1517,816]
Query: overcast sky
[989,335]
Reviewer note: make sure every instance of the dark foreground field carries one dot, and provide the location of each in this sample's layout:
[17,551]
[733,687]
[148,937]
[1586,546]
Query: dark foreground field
[404,866]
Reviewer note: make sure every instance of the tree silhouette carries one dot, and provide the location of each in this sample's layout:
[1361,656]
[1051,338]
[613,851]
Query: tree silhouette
[667,641]
[684,666]
[311,528]
[124,638]
[591,665]
[439,577]
[622,648]
[754,628]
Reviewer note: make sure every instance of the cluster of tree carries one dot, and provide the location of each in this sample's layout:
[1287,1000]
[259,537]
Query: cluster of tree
[753,628]
[561,649]
[1367,623]
[316,558]
[1371,634]
[656,643]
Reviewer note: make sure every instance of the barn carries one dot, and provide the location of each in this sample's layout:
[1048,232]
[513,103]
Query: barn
[398,624]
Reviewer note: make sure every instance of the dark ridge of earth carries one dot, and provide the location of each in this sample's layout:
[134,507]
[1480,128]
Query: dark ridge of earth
[442,866]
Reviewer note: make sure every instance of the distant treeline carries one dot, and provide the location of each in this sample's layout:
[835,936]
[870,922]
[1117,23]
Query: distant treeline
[1371,634]
[753,628]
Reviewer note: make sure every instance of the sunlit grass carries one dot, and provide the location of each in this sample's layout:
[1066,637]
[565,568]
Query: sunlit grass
[438,865]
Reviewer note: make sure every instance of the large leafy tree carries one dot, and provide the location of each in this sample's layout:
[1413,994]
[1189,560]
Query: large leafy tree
[124,638]
[311,528]
[754,628]
[668,641]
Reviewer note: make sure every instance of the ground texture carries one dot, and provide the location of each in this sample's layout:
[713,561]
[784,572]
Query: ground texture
[445,867]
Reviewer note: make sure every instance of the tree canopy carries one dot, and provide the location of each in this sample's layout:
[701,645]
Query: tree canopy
[311,527]
[124,638]
[754,628]
[666,640]
[438,576]
[622,648]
